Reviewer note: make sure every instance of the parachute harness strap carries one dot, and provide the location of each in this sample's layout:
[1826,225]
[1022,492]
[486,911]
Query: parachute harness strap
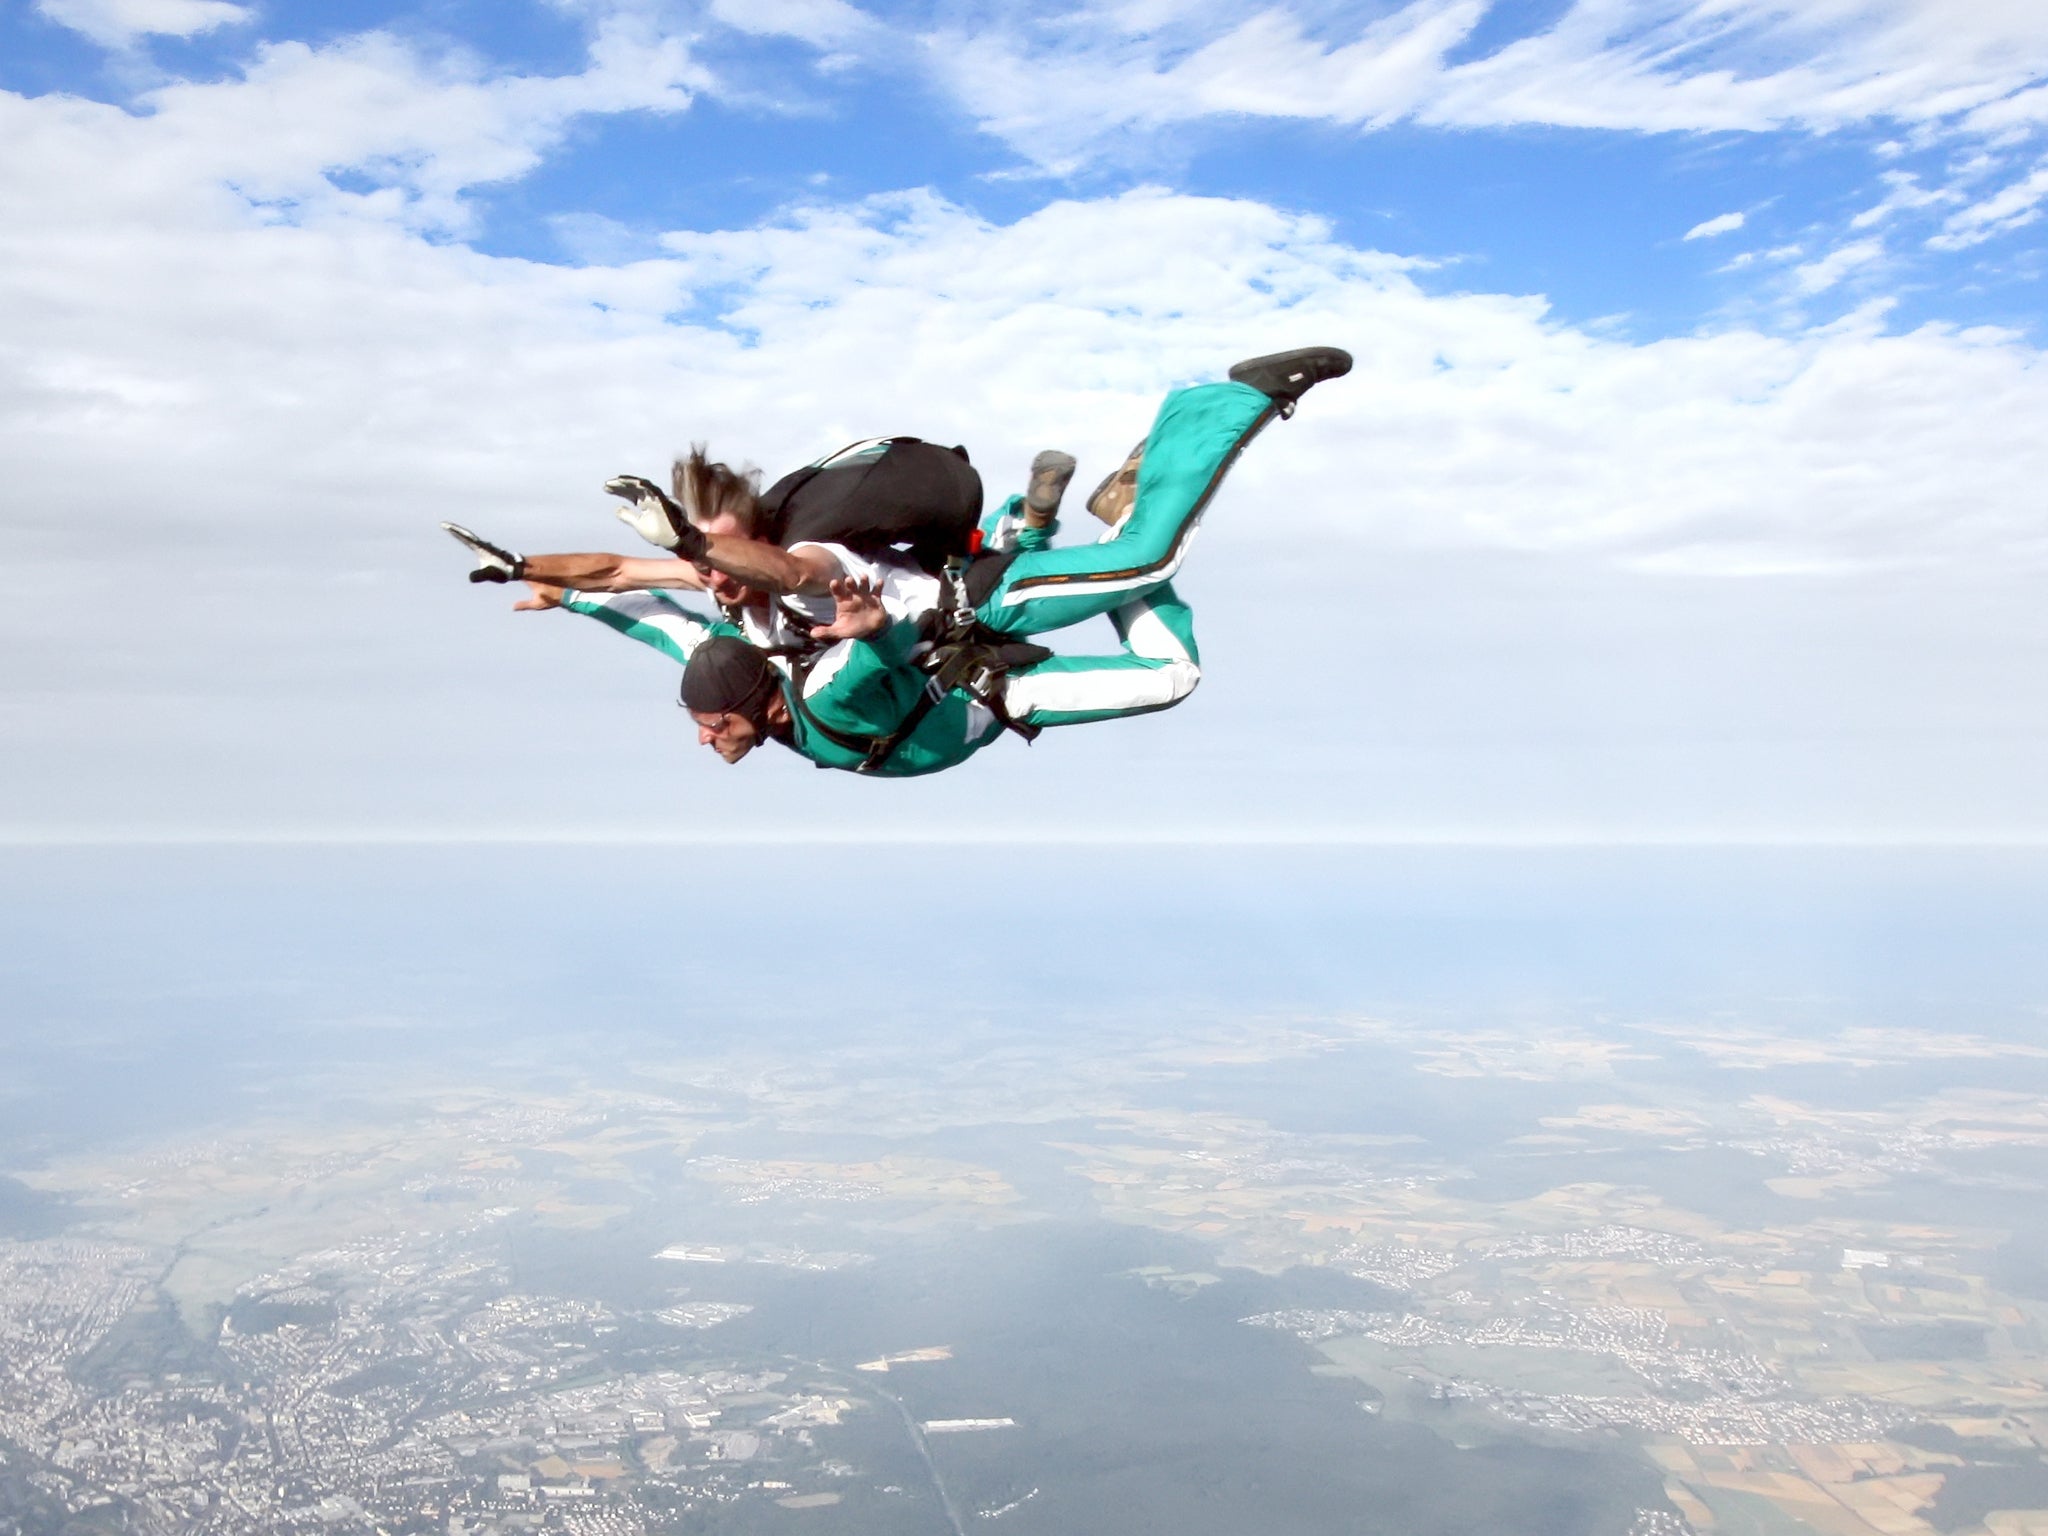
[964,655]
[953,585]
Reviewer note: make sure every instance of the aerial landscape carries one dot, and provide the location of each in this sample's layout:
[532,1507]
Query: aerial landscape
[1653,1270]
[1327,817]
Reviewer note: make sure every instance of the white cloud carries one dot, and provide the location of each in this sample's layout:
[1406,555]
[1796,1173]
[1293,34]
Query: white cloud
[821,23]
[1490,423]
[1824,272]
[2018,112]
[1069,319]
[1269,66]
[2012,206]
[1055,94]
[1752,64]
[422,128]
[1903,193]
[1720,224]
[267,415]
[118,23]
[1058,92]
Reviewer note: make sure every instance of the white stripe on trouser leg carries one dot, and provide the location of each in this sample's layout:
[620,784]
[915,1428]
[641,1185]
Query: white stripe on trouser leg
[1146,634]
[1112,690]
[1085,586]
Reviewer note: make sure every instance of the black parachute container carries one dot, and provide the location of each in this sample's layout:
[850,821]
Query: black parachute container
[886,493]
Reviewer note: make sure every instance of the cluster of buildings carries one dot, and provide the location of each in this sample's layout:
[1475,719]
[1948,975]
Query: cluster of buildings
[817,1261]
[1705,1396]
[752,1185]
[388,1385]
[1659,1522]
[1609,1240]
[1825,1152]
[1708,1421]
[1396,1266]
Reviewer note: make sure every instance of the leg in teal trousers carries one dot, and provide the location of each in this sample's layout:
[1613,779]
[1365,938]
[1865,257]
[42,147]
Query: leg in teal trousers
[1196,437]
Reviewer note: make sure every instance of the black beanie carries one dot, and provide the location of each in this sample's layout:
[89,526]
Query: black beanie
[728,676]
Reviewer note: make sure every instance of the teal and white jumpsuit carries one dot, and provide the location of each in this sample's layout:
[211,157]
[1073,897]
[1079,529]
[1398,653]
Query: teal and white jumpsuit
[1128,575]
[851,689]
[846,696]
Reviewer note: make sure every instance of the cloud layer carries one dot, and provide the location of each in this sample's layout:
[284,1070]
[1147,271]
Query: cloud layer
[120,23]
[1055,88]
[251,359]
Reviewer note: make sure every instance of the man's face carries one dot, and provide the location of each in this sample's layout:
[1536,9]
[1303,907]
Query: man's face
[730,735]
[723,588]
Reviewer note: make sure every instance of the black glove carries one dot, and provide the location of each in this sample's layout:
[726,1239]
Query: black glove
[656,516]
[492,562]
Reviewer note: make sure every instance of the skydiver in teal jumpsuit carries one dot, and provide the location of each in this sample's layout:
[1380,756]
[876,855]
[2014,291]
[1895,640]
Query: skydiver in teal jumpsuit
[861,695]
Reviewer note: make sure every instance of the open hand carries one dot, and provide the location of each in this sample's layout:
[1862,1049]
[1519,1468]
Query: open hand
[544,597]
[857,611]
[653,514]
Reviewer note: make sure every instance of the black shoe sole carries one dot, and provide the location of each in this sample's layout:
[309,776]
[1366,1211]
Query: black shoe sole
[1287,376]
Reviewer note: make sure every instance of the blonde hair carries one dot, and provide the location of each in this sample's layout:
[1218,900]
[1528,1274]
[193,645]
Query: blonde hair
[708,489]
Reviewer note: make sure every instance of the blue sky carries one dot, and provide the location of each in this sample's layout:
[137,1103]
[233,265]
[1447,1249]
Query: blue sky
[1688,487]
[1595,219]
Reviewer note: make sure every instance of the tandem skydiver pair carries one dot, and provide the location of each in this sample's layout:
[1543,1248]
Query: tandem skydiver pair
[871,619]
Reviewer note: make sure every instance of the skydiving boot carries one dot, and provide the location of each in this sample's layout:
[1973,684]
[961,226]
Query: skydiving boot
[1050,472]
[1111,500]
[1286,376]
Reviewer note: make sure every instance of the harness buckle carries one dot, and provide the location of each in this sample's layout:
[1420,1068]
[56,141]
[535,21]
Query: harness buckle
[961,617]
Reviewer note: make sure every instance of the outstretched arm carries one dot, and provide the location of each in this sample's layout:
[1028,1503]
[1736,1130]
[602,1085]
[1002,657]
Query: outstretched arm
[612,573]
[759,564]
[770,567]
[658,518]
[652,618]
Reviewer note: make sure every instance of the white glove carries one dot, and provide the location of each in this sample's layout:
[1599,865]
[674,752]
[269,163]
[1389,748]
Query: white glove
[653,514]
